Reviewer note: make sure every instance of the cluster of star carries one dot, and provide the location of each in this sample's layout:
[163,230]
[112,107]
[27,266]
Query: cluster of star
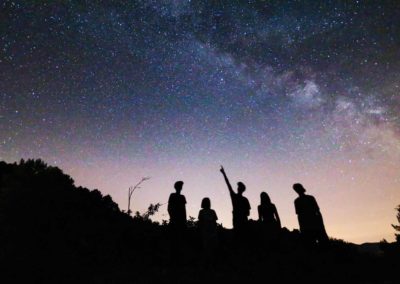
[125,88]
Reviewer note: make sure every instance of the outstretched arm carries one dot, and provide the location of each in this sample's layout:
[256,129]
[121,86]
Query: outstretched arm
[227,180]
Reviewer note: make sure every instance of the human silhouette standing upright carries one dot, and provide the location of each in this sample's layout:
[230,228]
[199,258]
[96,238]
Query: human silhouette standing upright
[177,208]
[240,204]
[208,229]
[310,219]
[177,222]
[268,215]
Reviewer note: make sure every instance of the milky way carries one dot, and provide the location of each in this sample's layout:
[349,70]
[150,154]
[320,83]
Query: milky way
[276,91]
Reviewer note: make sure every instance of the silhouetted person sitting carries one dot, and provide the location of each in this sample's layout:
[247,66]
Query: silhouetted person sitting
[310,219]
[268,215]
[240,204]
[177,208]
[208,228]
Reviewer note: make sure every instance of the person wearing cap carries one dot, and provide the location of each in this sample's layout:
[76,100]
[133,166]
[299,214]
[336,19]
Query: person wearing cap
[310,218]
[240,204]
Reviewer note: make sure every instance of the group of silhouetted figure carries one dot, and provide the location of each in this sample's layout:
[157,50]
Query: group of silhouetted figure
[309,216]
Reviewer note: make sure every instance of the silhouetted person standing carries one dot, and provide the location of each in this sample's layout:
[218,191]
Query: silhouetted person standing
[310,219]
[208,229]
[177,208]
[177,221]
[240,204]
[268,215]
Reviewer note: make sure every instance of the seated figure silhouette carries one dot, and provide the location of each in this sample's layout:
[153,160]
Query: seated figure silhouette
[177,208]
[310,219]
[208,228]
[268,215]
[240,204]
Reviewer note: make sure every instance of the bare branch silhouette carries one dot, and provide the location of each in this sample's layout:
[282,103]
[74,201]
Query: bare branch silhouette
[132,189]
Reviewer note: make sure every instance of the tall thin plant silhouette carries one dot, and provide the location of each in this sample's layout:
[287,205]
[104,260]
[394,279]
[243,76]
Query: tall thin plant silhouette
[132,189]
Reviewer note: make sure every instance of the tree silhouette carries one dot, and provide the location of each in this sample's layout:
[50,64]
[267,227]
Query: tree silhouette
[397,227]
[151,210]
[45,219]
[131,190]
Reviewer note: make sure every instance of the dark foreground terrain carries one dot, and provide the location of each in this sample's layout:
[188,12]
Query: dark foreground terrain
[54,232]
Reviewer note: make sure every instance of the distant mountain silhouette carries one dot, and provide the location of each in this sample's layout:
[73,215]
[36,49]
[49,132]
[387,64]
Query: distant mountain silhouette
[371,248]
[52,231]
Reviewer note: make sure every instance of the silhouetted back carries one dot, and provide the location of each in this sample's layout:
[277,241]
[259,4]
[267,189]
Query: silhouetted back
[268,216]
[266,213]
[207,221]
[177,209]
[310,219]
[208,231]
[240,204]
[306,206]
[241,209]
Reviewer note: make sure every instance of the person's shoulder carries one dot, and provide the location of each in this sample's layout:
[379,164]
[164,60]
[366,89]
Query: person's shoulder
[201,214]
[310,197]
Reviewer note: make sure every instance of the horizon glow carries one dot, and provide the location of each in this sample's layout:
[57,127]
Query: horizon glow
[277,93]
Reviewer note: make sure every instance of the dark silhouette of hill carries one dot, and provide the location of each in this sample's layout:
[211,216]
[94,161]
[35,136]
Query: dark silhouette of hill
[371,248]
[52,231]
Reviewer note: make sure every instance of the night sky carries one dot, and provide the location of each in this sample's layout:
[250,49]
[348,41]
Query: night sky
[276,91]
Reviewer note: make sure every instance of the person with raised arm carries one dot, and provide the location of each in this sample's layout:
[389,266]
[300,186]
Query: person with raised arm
[240,204]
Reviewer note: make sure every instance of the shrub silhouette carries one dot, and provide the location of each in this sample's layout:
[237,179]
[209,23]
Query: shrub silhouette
[50,226]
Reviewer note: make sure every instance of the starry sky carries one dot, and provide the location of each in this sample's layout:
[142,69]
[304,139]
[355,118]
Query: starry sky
[276,91]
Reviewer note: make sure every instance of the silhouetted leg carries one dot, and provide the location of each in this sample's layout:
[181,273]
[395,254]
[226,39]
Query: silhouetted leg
[176,238]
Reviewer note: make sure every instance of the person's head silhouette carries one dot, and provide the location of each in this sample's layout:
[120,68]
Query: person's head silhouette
[265,198]
[206,203]
[298,187]
[241,187]
[178,186]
